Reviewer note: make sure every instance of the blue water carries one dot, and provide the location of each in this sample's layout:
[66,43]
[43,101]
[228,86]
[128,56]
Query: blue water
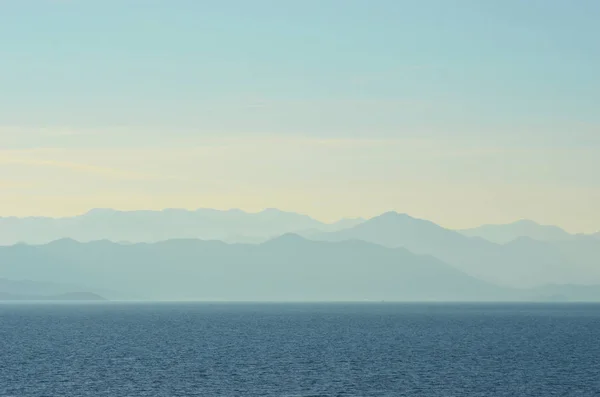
[426,350]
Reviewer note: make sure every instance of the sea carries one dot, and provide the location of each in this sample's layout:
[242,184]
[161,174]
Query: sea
[299,349]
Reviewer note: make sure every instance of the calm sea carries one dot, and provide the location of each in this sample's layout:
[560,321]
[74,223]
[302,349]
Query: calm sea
[192,349]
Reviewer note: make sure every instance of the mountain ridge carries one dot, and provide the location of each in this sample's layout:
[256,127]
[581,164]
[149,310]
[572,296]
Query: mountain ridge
[286,268]
[504,233]
[524,262]
[150,226]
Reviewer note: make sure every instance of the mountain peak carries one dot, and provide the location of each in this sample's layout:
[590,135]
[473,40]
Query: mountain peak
[287,238]
[278,212]
[64,241]
[393,218]
[392,215]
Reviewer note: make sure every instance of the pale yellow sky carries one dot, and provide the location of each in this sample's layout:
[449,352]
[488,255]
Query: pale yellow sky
[296,105]
[457,185]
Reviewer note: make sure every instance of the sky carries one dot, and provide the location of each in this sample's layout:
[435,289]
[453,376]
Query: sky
[463,112]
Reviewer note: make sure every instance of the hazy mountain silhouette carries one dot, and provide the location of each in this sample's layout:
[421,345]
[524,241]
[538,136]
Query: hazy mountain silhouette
[567,293]
[503,234]
[523,262]
[152,226]
[31,290]
[28,287]
[286,268]
[75,296]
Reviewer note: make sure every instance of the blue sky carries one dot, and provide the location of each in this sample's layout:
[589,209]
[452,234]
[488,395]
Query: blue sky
[463,112]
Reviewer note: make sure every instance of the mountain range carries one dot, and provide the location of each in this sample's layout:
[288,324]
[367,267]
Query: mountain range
[523,262]
[288,268]
[233,226]
[157,254]
[503,234]
[152,226]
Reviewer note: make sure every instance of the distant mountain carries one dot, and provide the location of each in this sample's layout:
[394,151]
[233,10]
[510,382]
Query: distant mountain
[31,290]
[152,226]
[28,287]
[286,268]
[81,296]
[566,293]
[523,262]
[77,296]
[502,234]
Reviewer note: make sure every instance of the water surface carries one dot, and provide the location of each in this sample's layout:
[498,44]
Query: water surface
[192,349]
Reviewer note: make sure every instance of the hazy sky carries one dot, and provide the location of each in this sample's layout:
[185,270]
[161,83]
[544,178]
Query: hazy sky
[462,112]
